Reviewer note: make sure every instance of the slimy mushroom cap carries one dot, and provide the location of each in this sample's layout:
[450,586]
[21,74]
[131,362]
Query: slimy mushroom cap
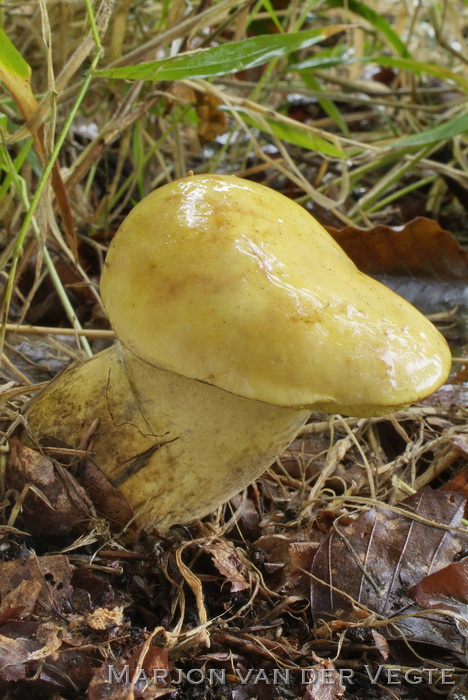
[228,282]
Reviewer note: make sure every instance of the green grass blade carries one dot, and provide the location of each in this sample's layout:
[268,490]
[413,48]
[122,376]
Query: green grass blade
[381,24]
[11,61]
[223,59]
[269,8]
[323,62]
[442,132]
[292,134]
[17,164]
[418,67]
[328,106]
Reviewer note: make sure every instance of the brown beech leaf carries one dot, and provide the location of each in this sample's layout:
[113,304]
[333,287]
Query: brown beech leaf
[459,483]
[114,679]
[17,652]
[446,588]
[421,249]
[422,262]
[248,519]
[367,567]
[33,652]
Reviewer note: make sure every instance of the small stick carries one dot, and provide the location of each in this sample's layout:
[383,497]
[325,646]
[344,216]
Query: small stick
[48,330]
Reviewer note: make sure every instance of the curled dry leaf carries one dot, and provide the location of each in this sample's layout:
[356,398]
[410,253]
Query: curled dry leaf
[108,501]
[33,652]
[16,654]
[364,570]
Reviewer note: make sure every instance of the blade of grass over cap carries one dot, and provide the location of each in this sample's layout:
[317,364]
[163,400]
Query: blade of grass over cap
[225,58]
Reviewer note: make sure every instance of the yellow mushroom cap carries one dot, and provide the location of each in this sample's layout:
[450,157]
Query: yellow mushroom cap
[228,282]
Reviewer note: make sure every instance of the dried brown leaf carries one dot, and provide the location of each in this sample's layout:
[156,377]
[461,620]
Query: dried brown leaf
[288,559]
[108,501]
[20,602]
[64,505]
[325,682]
[421,249]
[52,573]
[228,563]
[446,588]
[423,262]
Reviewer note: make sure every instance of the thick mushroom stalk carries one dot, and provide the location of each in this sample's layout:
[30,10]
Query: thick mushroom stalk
[237,314]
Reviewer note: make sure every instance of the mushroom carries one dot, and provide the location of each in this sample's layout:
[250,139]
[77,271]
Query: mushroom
[237,315]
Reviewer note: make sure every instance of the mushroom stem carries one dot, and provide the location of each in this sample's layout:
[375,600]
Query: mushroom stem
[175,447]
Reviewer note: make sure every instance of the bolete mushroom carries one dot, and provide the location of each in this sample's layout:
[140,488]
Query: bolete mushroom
[237,314]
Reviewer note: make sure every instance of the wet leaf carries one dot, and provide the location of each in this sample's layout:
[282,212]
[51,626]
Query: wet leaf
[366,568]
